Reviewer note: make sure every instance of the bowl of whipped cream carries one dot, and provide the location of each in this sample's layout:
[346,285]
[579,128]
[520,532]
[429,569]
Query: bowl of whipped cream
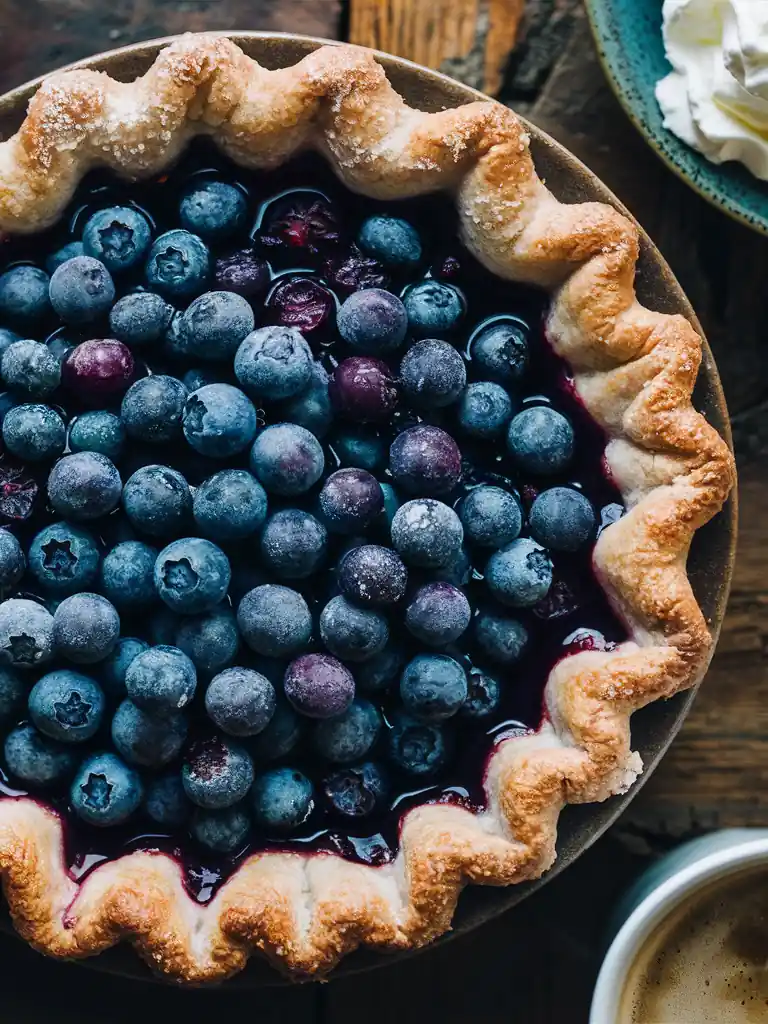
[693,77]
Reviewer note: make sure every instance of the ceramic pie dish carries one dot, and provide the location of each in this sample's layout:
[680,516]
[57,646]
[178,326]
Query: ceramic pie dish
[621,376]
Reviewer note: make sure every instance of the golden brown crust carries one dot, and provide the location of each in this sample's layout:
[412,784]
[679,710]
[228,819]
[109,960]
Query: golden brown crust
[633,369]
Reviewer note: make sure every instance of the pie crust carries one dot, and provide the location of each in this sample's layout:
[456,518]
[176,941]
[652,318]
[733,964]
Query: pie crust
[634,370]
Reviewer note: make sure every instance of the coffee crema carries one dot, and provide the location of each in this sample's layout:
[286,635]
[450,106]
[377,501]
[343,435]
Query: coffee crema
[707,961]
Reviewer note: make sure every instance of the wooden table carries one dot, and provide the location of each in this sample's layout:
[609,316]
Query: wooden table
[541,958]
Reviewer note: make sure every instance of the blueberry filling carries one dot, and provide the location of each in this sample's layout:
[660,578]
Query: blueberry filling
[300,508]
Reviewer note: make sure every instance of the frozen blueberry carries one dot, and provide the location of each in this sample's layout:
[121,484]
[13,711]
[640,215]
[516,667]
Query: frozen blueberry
[357,791]
[274,363]
[484,696]
[293,544]
[85,628]
[99,431]
[224,831]
[352,633]
[350,500]
[372,321]
[161,679]
[12,561]
[499,637]
[391,240]
[287,459]
[283,799]
[520,574]
[540,440]
[243,272]
[13,694]
[166,803]
[157,501]
[427,533]
[30,370]
[415,747]
[105,791]
[274,621]
[425,461]
[35,433]
[310,408]
[192,575]
[178,264]
[349,736]
[485,409]
[377,674]
[152,408]
[363,389]
[360,449]
[211,640]
[140,318]
[213,209]
[66,706]
[118,236]
[24,299]
[433,687]
[372,575]
[114,667]
[217,773]
[215,324]
[147,739]
[433,374]
[99,370]
[240,701]
[562,519]
[219,420]
[81,290]
[491,517]
[279,737]
[26,633]
[84,486]
[501,351]
[66,252]
[230,505]
[319,686]
[434,308]
[63,559]
[438,614]
[37,760]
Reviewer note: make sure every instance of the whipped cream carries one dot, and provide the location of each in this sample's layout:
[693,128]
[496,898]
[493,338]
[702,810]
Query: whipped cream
[716,98]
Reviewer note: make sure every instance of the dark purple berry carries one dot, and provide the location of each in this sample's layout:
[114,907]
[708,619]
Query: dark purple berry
[372,575]
[242,272]
[302,221]
[363,389]
[357,791]
[353,272]
[350,500]
[98,369]
[319,686]
[425,460]
[301,303]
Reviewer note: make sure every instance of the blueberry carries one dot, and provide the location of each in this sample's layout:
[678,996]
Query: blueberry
[24,299]
[99,370]
[217,773]
[283,799]
[105,791]
[215,324]
[500,638]
[219,420]
[81,290]
[302,303]
[26,633]
[274,363]
[293,544]
[438,614]
[224,831]
[356,448]
[349,736]
[230,505]
[363,389]
[140,318]
[166,803]
[243,272]
[376,674]
[13,694]
[240,701]
[211,640]
[357,791]
[350,271]
[372,575]
[434,308]
[85,628]
[433,374]
[29,369]
[372,321]
[36,760]
[562,519]
[427,533]
[146,739]
[118,236]
[157,501]
[520,574]
[274,621]
[287,459]
[433,687]
[178,264]
[114,667]
[319,686]
[501,351]
[391,240]
[34,433]
[279,737]
[424,460]
[310,408]
[540,440]
[98,431]
[484,696]
[192,575]
[351,633]
[213,209]
[66,252]
[152,408]
[491,517]
[350,500]
[66,706]
[84,486]
[161,679]
[63,559]
[418,748]
[485,410]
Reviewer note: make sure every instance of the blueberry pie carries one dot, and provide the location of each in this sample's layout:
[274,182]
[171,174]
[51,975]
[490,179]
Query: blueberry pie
[346,491]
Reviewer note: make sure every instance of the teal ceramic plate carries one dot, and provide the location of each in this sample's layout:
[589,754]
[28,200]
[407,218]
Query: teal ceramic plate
[628,37]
